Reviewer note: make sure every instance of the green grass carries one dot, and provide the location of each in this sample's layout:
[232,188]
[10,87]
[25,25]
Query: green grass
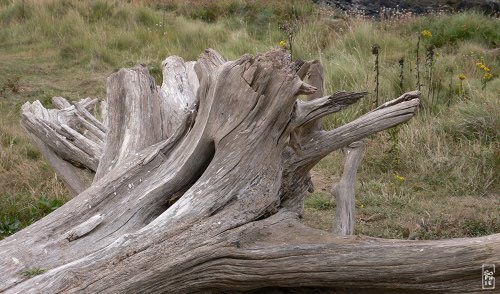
[448,154]
[450,30]
[33,272]
[319,201]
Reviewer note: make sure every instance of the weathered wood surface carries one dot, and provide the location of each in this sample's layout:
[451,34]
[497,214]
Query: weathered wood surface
[69,138]
[215,205]
[343,191]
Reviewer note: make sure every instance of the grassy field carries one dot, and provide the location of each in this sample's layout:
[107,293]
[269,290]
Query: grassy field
[436,177]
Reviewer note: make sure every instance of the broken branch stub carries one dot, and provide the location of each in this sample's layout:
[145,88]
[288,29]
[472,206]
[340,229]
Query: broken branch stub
[343,191]
[214,203]
[69,141]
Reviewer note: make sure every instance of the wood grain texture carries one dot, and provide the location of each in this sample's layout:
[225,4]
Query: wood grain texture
[68,137]
[343,191]
[134,117]
[214,203]
[313,110]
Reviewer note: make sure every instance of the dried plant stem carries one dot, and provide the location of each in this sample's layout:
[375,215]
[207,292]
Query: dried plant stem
[429,58]
[377,69]
[375,51]
[23,11]
[401,73]
[290,29]
[417,65]
[163,16]
[450,93]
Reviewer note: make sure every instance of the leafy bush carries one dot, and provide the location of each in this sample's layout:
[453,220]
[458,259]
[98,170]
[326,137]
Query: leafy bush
[9,227]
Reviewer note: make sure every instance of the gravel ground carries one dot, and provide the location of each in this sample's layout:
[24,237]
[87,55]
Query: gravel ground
[378,8]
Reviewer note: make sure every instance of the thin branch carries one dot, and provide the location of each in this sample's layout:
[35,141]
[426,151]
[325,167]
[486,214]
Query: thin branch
[90,118]
[320,107]
[322,143]
[405,97]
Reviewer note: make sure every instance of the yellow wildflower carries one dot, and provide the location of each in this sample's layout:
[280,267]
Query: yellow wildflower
[462,77]
[483,66]
[359,203]
[487,76]
[426,34]
[399,178]
[283,44]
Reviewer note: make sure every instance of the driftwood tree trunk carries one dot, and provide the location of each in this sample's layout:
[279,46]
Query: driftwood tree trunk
[203,192]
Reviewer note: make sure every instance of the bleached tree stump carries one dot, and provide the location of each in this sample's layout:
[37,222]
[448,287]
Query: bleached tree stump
[196,188]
